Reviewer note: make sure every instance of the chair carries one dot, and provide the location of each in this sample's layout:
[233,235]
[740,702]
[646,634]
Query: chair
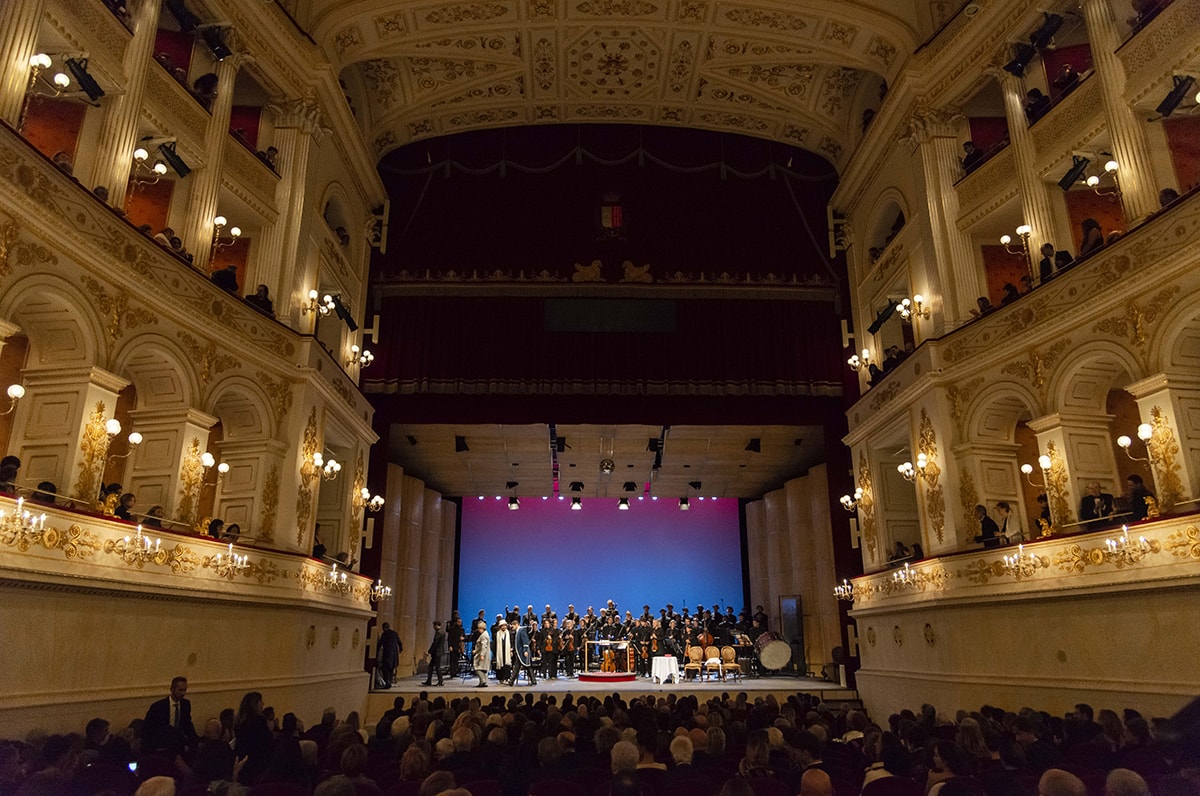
[729,661]
[694,662]
[712,662]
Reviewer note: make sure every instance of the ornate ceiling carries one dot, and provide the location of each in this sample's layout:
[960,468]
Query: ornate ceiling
[798,73]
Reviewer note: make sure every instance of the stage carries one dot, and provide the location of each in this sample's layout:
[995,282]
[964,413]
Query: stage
[781,686]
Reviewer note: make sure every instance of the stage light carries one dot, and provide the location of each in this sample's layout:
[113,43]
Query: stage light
[1078,165]
[623,504]
[683,504]
[576,504]
[511,485]
[576,486]
[754,445]
[560,444]
[1022,55]
[78,69]
[1041,37]
[212,37]
[460,445]
[513,504]
[167,150]
[629,486]
[1183,84]
[694,485]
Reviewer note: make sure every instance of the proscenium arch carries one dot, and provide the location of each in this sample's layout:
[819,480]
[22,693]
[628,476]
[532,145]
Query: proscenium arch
[60,321]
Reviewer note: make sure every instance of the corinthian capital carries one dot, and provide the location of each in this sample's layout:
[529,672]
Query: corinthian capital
[926,123]
[303,114]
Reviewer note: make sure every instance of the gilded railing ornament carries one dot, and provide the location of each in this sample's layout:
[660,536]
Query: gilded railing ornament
[1185,543]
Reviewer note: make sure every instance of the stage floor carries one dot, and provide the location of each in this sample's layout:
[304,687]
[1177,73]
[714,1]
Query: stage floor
[781,686]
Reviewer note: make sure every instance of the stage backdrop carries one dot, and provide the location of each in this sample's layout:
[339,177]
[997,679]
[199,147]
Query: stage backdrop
[545,553]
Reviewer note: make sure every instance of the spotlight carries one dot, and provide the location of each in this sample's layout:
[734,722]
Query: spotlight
[629,486]
[513,504]
[694,485]
[511,485]
[623,504]
[1041,38]
[1183,84]
[576,504]
[212,37]
[1022,55]
[754,445]
[560,444]
[343,313]
[576,486]
[1078,166]
[167,150]
[683,504]
[460,445]
[78,69]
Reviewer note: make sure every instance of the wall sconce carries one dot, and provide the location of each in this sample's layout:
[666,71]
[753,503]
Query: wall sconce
[910,307]
[144,174]
[75,67]
[219,243]
[229,564]
[207,460]
[15,393]
[1044,464]
[379,592]
[1021,565]
[845,591]
[905,578]
[858,363]
[324,306]
[135,439]
[911,473]
[1144,432]
[328,469]
[336,581]
[850,504]
[1123,551]
[1023,232]
[1181,85]
[364,500]
[22,526]
[1110,169]
[360,356]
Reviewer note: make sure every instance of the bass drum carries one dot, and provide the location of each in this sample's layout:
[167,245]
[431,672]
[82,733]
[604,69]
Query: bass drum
[773,651]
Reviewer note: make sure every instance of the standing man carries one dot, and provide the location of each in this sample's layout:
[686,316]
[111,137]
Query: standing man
[435,653]
[550,647]
[524,655]
[168,724]
[989,531]
[482,659]
[454,636]
[388,655]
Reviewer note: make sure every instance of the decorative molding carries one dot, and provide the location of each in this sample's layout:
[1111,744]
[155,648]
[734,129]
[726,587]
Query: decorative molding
[866,507]
[270,504]
[1163,450]
[191,480]
[1058,487]
[93,445]
[935,502]
[116,311]
[280,393]
[1136,320]
[968,499]
[208,362]
[308,472]
[1033,368]
[360,481]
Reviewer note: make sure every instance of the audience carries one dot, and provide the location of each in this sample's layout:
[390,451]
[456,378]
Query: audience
[1093,238]
[648,745]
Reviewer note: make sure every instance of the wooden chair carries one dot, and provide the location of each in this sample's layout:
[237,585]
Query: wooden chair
[729,661]
[695,662]
[712,662]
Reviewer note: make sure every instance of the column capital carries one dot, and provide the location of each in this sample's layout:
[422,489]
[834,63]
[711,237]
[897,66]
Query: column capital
[926,123]
[303,114]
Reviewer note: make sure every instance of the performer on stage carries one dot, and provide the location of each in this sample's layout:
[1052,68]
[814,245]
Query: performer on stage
[523,653]
[454,637]
[571,638]
[503,654]
[571,616]
[549,645]
[482,659]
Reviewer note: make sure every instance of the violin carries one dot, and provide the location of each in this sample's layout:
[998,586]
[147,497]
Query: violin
[570,642]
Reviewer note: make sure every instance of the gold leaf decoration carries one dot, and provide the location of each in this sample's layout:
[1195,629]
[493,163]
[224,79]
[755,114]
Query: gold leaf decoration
[1135,322]
[935,502]
[866,506]
[280,393]
[191,478]
[1033,368]
[93,445]
[959,397]
[1163,450]
[969,499]
[8,238]
[308,471]
[270,504]
[1058,488]
[360,480]
[116,310]
[208,361]
[1185,543]
[981,570]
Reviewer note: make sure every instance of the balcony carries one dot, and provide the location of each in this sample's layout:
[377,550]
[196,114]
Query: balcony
[251,179]
[174,110]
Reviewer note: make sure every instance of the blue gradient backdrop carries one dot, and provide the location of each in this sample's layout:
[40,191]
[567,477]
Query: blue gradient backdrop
[545,553]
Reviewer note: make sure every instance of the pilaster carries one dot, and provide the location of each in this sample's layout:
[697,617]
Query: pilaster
[1170,403]
[19,21]
[160,471]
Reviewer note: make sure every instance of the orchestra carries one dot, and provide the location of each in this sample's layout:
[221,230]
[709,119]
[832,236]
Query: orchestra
[615,640]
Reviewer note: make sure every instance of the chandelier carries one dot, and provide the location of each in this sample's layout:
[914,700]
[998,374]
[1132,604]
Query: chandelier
[845,591]
[137,550]
[1023,565]
[1123,551]
[229,564]
[379,592]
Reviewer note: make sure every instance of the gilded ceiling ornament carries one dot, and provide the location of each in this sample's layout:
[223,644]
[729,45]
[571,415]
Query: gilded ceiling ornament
[270,503]
[390,25]
[882,49]
[466,12]
[544,56]
[757,18]
[616,8]
[191,477]
[308,472]
[116,309]
[541,8]
[347,37]
[1163,450]
[93,445]
[866,506]
[680,71]
[208,361]
[691,11]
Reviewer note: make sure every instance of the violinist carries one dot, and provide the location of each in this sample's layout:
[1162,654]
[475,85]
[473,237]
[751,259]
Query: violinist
[571,637]
[529,616]
[548,643]
[548,614]
[571,616]
[641,645]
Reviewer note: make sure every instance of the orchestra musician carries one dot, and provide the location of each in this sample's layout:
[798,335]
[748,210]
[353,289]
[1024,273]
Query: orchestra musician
[571,616]
[512,615]
[454,638]
[548,643]
[529,614]
[640,640]
[571,637]
[548,614]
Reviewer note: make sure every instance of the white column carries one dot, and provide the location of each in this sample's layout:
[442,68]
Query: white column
[206,182]
[297,128]
[114,150]
[1139,196]
[1035,201]
[18,41]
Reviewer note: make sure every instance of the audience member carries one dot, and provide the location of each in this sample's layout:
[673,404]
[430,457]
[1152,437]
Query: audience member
[1139,497]
[164,236]
[1037,105]
[1095,506]
[63,161]
[10,468]
[168,723]
[226,278]
[984,307]
[205,89]
[1167,196]
[125,505]
[1093,238]
[214,527]
[1010,295]
[989,532]
[973,157]
[260,299]
[1066,79]
[47,492]
[154,517]
[252,737]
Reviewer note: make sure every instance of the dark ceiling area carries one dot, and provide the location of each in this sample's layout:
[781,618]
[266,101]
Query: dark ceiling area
[529,199]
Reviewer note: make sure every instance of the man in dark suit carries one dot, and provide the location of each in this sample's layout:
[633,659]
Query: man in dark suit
[388,655]
[524,654]
[1095,506]
[435,653]
[168,724]
[989,532]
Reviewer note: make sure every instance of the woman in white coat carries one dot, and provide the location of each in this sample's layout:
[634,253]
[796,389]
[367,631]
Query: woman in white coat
[482,658]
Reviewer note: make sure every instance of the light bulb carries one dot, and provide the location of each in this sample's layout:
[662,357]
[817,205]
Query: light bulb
[160,168]
[1124,441]
[312,295]
[16,391]
[1027,468]
[135,438]
[1111,166]
[207,459]
[113,427]
[866,355]
[62,80]
[235,232]
[1005,240]
[1145,431]
[354,350]
[222,468]
[219,221]
[140,155]
[918,298]
[1093,181]
[1024,230]
[39,61]
[318,459]
[1044,462]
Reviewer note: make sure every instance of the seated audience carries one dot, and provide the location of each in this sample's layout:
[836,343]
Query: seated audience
[260,299]
[125,505]
[1010,295]
[154,517]
[226,278]
[1037,105]
[10,468]
[973,157]
[1093,238]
